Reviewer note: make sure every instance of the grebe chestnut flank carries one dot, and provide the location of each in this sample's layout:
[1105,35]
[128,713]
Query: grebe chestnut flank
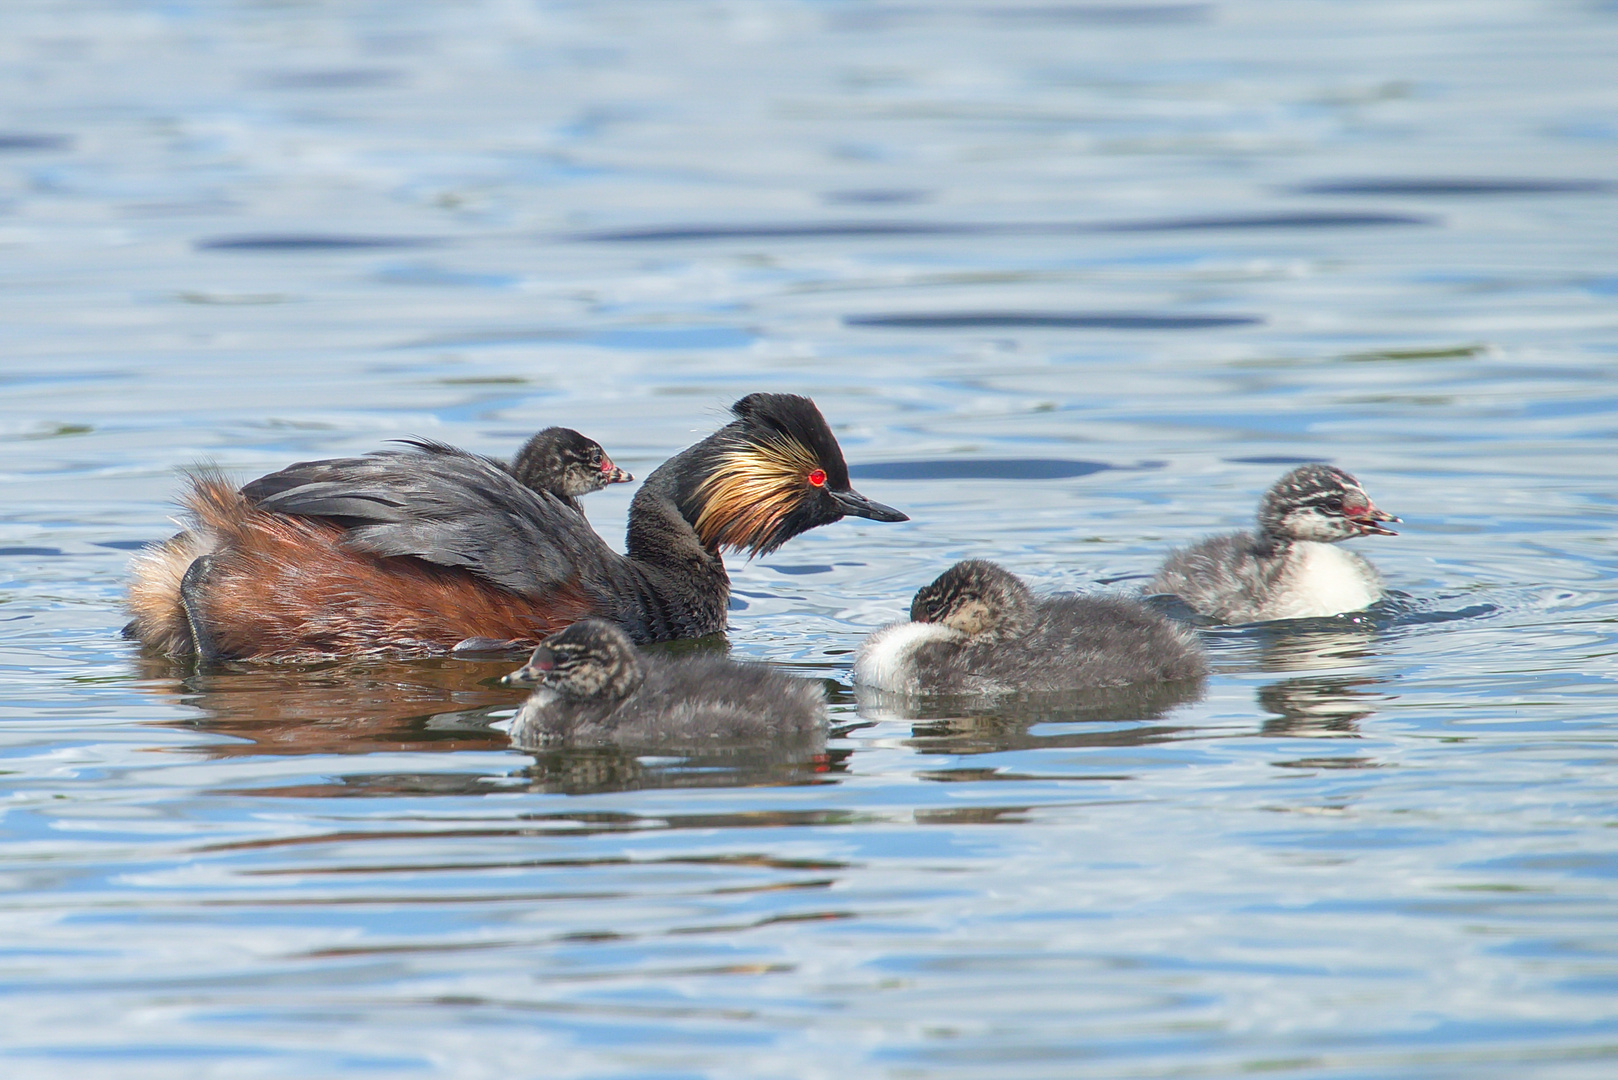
[1288,569]
[419,551]
[558,461]
[978,629]
[593,687]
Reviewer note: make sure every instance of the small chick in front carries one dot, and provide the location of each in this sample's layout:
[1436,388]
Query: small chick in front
[592,687]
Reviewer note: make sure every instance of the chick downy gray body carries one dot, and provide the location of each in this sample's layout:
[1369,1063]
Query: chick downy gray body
[978,629]
[1288,568]
[592,687]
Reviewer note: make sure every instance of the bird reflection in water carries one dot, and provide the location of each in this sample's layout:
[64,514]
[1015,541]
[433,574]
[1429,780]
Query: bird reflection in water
[342,707]
[988,724]
[1344,641]
[1322,705]
[1318,706]
[591,769]
[439,705]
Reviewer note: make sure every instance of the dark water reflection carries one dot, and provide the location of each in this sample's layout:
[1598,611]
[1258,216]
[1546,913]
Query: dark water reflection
[592,770]
[18,141]
[968,725]
[443,706]
[414,706]
[1313,219]
[1324,706]
[1455,186]
[582,771]
[304,244]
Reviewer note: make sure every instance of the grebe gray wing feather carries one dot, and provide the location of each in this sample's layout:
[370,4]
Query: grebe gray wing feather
[446,507]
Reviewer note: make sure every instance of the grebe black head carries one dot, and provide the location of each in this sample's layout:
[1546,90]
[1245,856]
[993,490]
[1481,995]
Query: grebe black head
[566,464]
[1320,503]
[770,474]
[982,600]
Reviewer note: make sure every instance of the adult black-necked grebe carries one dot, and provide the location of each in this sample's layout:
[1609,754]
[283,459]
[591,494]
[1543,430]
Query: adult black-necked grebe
[592,688]
[978,629]
[1288,569]
[421,550]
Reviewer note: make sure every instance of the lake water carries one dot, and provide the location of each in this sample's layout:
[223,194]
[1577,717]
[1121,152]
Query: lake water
[1073,283]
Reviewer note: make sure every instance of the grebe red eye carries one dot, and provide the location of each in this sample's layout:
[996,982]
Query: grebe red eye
[818,478]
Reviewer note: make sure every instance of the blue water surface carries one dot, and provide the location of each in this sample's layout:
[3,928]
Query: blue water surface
[1073,283]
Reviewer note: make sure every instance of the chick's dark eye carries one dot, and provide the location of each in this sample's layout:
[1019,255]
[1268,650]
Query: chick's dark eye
[1333,506]
[595,457]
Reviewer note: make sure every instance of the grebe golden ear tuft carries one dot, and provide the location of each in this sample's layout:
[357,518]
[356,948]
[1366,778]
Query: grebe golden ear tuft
[770,474]
[767,417]
[752,490]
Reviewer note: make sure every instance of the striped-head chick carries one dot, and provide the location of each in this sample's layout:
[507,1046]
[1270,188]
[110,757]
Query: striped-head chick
[566,464]
[1320,503]
[770,474]
[982,600]
[588,661]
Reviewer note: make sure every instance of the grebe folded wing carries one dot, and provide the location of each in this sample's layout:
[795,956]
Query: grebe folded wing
[452,509]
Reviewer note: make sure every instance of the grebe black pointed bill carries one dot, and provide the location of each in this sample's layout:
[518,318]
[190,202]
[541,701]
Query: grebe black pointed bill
[853,503]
